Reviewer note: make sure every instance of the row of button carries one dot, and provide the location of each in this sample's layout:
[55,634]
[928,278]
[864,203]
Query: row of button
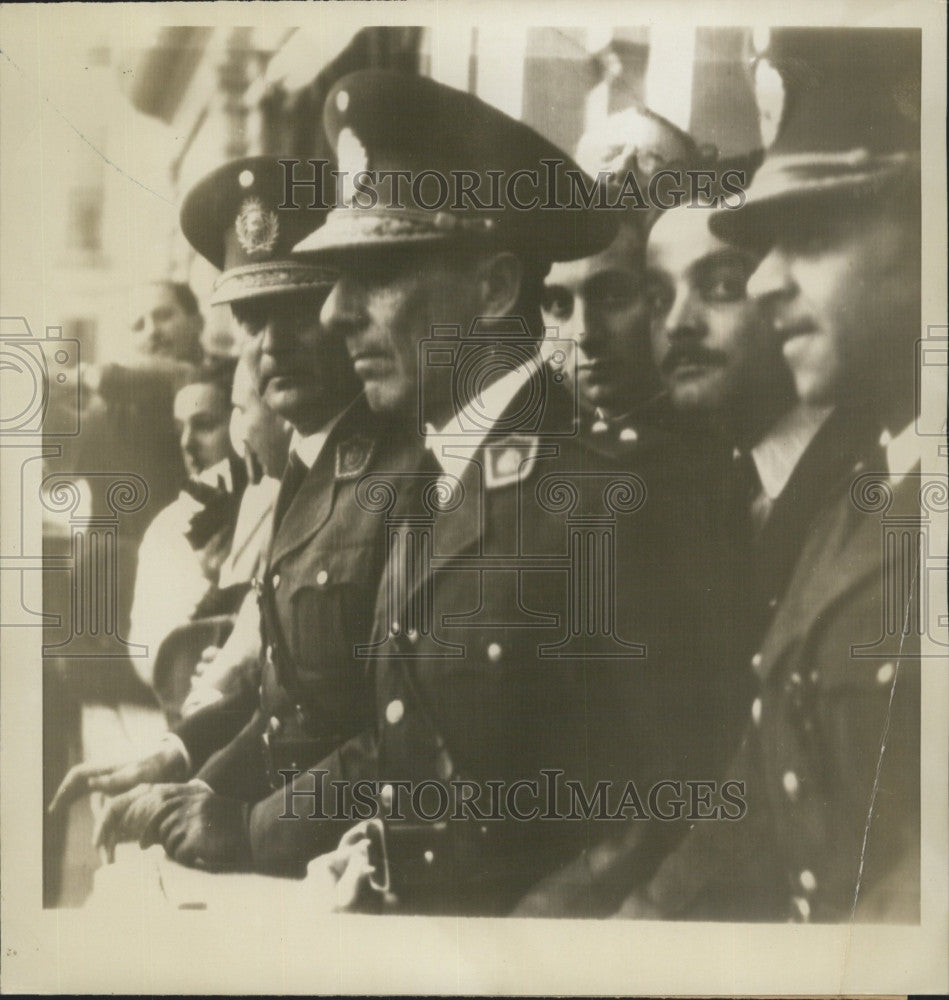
[884,676]
[322,578]
[628,435]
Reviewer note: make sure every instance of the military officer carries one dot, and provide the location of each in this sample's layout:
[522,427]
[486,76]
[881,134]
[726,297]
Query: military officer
[323,564]
[598,307]
[835,728]
[483,670]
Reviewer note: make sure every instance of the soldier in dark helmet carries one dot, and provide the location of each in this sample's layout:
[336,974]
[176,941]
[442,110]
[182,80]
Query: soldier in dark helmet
[322,568]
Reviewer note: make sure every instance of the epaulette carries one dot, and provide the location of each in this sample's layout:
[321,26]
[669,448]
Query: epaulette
[352,456]
[509,460]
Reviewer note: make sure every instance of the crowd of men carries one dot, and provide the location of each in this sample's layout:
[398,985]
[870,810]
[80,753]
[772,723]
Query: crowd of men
[553,610]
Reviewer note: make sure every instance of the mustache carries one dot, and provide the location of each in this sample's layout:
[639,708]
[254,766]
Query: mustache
[691,354]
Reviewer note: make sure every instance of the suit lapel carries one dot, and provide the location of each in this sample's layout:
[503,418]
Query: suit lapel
[842,552]
[460,532]
[308,511]
[824,471]
[310,508]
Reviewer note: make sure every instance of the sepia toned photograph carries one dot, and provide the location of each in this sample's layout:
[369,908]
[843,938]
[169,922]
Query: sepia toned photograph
[474,491]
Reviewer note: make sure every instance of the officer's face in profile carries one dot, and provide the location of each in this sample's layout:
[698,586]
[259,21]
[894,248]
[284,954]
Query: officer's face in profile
[599,303]
[841,285]
[202,417]
[709,340]
[302,373]
[160,326]
[256,430]
[384,308]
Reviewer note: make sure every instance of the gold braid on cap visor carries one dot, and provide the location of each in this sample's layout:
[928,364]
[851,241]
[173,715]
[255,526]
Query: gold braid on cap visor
[269,277]
[355,225]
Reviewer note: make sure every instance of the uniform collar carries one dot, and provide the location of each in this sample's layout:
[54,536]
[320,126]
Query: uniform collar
[213,475]
[483,416]
[307,447]
[776,455]
[902,451]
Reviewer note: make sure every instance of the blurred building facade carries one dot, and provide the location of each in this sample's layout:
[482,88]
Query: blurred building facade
[204,95]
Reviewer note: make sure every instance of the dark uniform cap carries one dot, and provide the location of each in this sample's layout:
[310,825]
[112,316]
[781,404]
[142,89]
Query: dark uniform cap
[380,120]
[839,111]
[233,219]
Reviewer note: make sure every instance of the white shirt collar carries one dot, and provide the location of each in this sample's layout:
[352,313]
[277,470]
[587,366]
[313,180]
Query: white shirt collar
[455,444]
[215,473]
[902,451]
[778,453]
[308,446]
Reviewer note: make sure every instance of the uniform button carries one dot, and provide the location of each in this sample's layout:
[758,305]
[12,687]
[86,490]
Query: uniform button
[412,635]
[429,857]
[276,580]
[396,628]
[803,907]
[321,578]
[756,661]
[756,711]
[772,603]
[385,795]
[808,880]
[599,427]
[791,783]
[885,673]
[814,676]
[394,712]
[494,652]
[629,435]
[274,724]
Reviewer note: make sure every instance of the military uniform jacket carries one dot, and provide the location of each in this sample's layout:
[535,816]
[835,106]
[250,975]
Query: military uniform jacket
[831,755]
[505,674]
[316,598]
[754,599]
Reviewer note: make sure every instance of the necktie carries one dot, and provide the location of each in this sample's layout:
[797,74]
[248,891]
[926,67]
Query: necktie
[752,504]
[292,480]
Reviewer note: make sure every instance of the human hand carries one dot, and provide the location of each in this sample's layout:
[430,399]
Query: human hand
[341,879]
[165,764]
[200,829]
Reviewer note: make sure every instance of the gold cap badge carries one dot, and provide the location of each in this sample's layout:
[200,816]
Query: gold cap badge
[256,228]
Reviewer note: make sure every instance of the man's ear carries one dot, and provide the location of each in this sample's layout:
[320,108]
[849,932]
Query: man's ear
[499,283]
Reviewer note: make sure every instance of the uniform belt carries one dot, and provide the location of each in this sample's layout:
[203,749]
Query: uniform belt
[441,866]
